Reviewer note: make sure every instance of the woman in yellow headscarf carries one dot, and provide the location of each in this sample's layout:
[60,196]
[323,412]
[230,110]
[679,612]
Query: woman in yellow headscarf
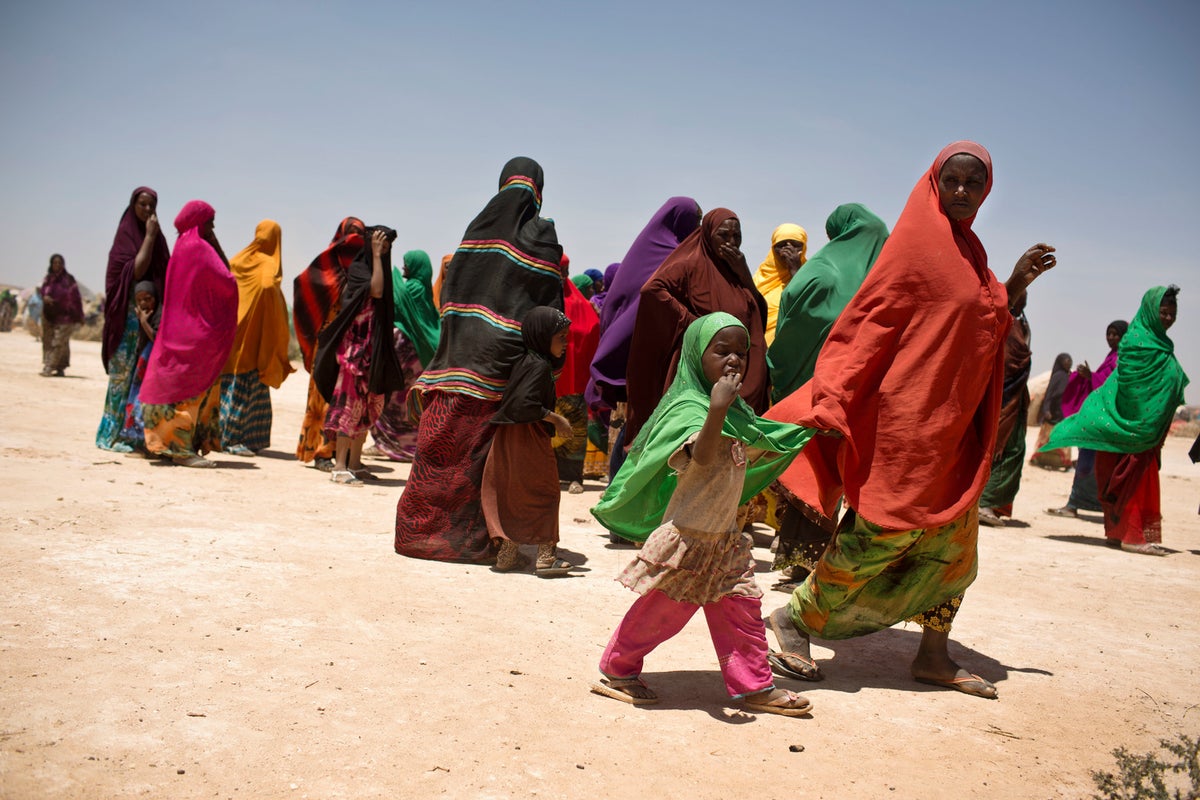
[789,251]
[260,349]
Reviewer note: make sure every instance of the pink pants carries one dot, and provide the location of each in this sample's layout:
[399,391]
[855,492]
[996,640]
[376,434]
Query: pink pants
[734,622]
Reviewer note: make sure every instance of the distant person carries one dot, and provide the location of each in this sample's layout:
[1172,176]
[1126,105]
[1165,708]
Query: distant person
[258,361]
[520,492]
[317,293]
[582,339]
[700,456]
[1051,413]
[1084,494]
[139,252]
[585,286]
[809,305]
[1126,421]
[706,273]
[181,394]
[506,265]
[908,389]
[1004,482]
[415,336]
[607,388]
[62,312]
[8,310]
[789,251]
[610,275]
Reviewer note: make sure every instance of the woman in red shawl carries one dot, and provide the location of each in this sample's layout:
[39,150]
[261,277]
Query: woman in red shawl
[139,252]
[582,339]
[62,310]
[706,273]
[907,388]
[181,394]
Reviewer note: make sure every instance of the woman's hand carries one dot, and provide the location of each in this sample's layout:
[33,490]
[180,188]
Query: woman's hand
[379,244]
[733,256]
[1084,371]
[152,226]
[725,391]
[1032,263]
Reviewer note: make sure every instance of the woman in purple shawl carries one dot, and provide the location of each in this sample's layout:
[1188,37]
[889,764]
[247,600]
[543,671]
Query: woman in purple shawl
[62,310]
[181,393]
[669,226]
[139,252]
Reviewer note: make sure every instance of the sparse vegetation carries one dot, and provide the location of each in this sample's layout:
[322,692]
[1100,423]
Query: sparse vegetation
[1172,773]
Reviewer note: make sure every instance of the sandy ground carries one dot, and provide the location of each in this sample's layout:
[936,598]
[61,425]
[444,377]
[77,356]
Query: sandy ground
[249,632]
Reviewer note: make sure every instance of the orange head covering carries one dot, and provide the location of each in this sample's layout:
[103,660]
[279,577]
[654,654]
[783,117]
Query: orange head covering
[910,376]
[770,280]
[261,342]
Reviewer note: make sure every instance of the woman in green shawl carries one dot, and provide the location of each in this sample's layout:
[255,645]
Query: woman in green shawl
[693,465]
[416,334]
[1126,420]
[811,302]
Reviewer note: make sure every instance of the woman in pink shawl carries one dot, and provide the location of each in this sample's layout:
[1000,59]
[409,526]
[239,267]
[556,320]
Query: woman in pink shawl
[62,310]
[181,393]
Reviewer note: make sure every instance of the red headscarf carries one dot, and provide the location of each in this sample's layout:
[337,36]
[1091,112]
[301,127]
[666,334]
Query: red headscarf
[911,375]
[199,319]
[317,291]
[583,337]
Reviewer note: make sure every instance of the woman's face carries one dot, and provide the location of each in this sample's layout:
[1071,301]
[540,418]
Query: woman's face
[145,302]
[787,255]
[57,265]
[1113,337]
[558,344]
[144,205]
[206,230]
[960,186]
[727,240]
[1066,362]
[727,354]
[1167,311]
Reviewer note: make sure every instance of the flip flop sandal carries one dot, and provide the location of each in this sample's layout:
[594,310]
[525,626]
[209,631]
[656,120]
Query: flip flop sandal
[614,688]
[364,474]
[557,569]
[967,684]
[344,477]
[1062,512]
[795,705]
[240,450]
[198,462]
[780,667]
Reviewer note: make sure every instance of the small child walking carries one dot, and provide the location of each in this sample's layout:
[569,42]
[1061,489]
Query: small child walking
[520,492]
[693,466]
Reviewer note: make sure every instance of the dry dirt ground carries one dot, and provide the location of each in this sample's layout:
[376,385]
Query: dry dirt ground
[248,632]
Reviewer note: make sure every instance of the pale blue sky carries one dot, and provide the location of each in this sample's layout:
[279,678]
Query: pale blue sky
[403,114]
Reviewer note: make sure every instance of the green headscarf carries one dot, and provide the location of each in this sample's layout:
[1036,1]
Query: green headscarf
[1132,410]
[416,316]
[814,299]
[634,503]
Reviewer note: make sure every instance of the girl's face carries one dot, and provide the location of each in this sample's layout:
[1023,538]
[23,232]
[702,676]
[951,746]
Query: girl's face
[558,344]
[145,302]
[57,265]
[1113,337]
[727,354]
[1167,311]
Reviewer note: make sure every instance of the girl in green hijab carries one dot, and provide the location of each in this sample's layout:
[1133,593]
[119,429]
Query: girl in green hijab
[694,464]
[1125,422]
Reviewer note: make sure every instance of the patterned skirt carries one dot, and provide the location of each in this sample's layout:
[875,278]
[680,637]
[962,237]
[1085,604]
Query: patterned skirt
[313,442]
[570,453]
[693,566]
[245,411]
[56,345]
[394,434]
[135,430]
[439,515]
[353,408]
[121,366]
[187,428]
[870,578]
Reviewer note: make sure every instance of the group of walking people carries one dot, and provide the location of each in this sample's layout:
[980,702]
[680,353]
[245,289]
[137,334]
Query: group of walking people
[857,398]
